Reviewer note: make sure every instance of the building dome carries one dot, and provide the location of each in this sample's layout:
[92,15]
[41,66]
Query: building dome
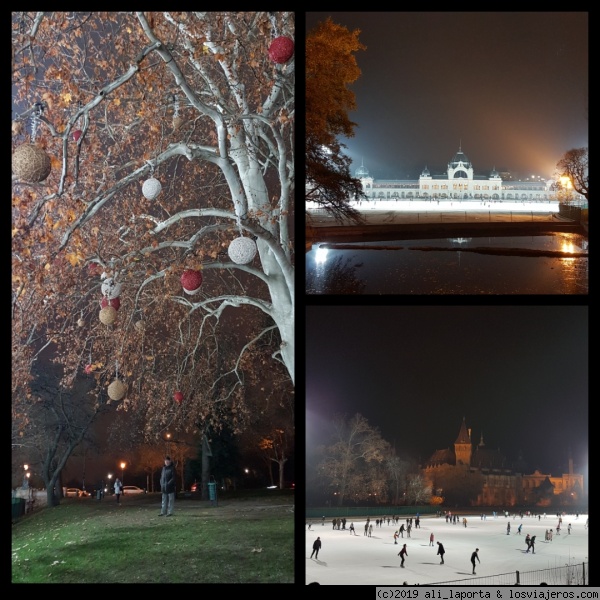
[361,172]
[460,157]
[425,172]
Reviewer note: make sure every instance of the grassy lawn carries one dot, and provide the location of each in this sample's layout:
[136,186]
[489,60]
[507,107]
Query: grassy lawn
[245,538]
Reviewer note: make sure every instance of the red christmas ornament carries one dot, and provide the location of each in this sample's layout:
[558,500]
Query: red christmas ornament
[88,369]
[77,134]
[114,302]
[191,281]
[178,397]
[93,268]
[281,49]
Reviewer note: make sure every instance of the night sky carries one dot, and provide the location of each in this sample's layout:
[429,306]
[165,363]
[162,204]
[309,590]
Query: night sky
[519,376]
[509,88]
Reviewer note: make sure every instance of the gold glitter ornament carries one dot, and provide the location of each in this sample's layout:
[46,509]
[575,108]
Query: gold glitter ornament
[30,163]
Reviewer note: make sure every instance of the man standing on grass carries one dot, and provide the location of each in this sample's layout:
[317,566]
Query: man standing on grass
[167,487]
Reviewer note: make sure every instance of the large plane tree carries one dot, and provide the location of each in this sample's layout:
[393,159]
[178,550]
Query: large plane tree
[152,208]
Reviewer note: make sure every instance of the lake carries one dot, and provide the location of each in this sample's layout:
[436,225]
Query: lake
[474,265]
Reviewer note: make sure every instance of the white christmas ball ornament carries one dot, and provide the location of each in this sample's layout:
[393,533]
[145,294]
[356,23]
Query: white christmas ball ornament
[151,188]
[111,289]
[242,250]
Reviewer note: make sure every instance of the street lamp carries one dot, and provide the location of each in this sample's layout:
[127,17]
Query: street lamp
[26,477]
[122,472]
[168,436]
[109,478]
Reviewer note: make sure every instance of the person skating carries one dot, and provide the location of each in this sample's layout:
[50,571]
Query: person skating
[473,557]
[441,552]
[316,548]
[402,554]
[352,532]
[508,528]
[431,540]
[527,542]
[532,544]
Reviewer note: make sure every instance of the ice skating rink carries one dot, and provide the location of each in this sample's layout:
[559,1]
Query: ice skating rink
[346,559]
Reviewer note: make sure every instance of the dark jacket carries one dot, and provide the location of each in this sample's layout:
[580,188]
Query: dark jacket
[317,545]
[167,479]
[441,549]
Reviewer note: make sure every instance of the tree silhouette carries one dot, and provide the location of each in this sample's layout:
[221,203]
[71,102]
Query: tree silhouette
[330,68]
[574,165]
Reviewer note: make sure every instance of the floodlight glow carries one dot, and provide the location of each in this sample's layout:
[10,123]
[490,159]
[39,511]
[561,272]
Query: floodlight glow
[321,255]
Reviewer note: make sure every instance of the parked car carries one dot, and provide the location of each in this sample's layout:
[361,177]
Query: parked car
[132,489]
[73,492]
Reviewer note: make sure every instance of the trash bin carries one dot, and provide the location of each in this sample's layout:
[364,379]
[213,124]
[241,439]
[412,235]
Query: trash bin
[18,507]
[212,490]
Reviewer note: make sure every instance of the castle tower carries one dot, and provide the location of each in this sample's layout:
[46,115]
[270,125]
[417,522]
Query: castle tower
[463,447]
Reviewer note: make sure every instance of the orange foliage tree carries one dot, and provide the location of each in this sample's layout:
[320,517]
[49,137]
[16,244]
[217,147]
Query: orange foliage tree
[169,135]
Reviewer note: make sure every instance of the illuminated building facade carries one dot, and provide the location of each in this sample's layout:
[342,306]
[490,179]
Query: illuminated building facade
[458,183]
[504,484]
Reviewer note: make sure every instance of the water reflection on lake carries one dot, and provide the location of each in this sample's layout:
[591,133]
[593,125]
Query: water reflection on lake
[404,267]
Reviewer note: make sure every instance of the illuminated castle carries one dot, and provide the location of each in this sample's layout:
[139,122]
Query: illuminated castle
[503,484]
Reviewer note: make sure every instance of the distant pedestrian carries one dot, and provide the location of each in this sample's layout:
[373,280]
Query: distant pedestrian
[527,542]
[474,556]
[316,548]
[118,489]
[519,528]
[402,530]
[431,540]
[323,520]
[352,532]
[441,552]
[408,530]
[569,529]
[366,528]
[402,554]
[465,521]
[309,526]
[370,529]
[395,537]
[508,528]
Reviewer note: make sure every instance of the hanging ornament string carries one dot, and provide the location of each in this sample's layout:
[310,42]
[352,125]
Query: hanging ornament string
[35,119]
[274,30]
